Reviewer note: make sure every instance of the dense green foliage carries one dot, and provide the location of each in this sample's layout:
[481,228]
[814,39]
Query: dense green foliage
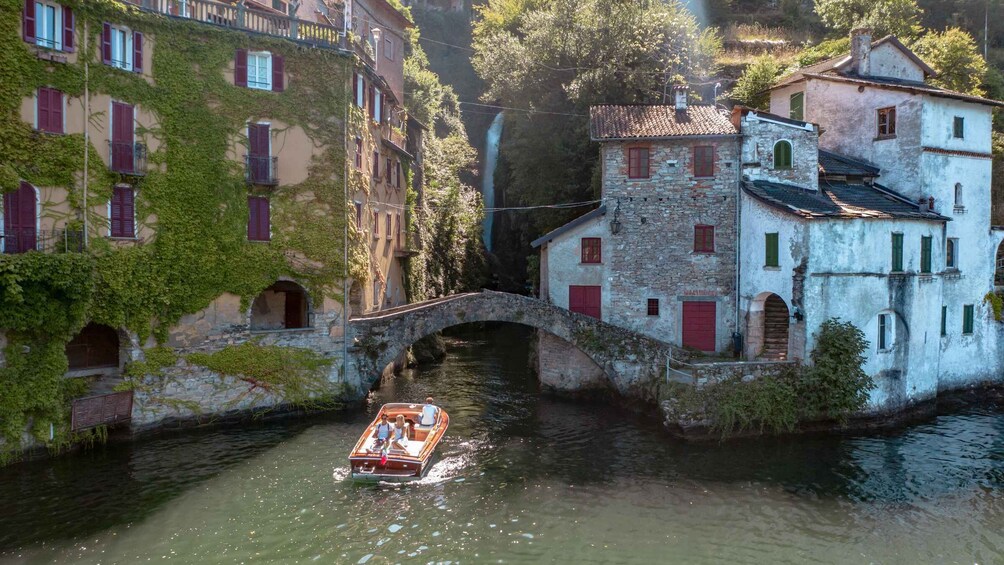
[194,195]
[550,61]
[884,17]
[954,55]
[752,88]
[833,387]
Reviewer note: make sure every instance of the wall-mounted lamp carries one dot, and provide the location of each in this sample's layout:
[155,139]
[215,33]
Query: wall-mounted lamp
[615,224]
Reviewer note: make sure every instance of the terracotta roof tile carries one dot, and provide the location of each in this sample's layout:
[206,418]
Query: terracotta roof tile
[611,122]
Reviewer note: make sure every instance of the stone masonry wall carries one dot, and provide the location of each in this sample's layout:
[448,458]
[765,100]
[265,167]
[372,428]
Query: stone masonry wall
[758,152]
[653,255]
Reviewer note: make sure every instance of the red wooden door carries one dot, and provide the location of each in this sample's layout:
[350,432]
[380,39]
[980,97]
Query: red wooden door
[585,300]
[19,213]
[259,152]
[699,325]
[122,137]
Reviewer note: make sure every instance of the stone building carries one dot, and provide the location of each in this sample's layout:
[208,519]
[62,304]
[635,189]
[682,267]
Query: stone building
[863,195]
[294,187]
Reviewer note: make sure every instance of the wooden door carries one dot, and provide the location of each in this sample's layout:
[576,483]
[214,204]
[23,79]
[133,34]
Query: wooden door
[699,321]
[123,153]
[294,310]
[19,215]
[585,300]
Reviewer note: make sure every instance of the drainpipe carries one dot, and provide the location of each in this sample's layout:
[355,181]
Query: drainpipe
[739,199]
[87,120]
[345,234]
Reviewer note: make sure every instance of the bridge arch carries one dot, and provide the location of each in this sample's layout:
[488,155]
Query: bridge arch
[620,356]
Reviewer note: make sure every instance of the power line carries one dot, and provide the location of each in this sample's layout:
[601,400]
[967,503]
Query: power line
[447,44]
[520,109]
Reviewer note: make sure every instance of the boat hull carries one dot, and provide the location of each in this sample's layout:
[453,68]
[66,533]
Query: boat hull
[372,462]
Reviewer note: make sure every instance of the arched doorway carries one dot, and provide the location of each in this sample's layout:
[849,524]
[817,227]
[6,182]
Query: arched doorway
[95,347]
[282,306]
[20,213]
[775,329]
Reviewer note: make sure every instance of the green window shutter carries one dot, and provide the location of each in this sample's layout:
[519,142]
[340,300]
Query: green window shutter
[772,253]
[897,252]
[958,127]
[796,107]
[944,320]
[782,155]
[925,254]
[967,319]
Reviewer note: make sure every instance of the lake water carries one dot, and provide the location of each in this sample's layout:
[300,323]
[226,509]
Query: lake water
[521,479]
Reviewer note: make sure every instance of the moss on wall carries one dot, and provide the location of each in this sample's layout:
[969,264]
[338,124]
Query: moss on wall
[196,193]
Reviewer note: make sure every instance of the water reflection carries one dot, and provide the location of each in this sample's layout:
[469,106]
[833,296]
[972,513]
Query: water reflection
[519,478]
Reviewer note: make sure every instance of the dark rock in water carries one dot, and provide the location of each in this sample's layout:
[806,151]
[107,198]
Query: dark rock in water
[429,349]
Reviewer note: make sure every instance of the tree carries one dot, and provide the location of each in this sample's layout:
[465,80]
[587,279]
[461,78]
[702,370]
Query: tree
[897,17]
[954,55]
[751,88]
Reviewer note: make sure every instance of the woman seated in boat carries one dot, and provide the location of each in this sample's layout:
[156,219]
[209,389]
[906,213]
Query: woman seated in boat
[400,433]
[382,433]
[429,413]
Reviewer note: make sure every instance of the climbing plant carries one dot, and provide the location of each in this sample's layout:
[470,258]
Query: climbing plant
[194,195]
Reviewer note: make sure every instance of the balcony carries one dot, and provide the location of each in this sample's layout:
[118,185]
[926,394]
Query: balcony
[22,240]
[248,15]
[127,158]
[263,171]
[409,247]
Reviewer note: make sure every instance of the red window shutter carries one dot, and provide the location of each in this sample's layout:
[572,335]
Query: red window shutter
[704,161]
[137,52]
[252,218]
[128,213]
[265,219]
[106,43]
[258,135]
[28,21]
[116,212]
[591,248]
[42,108]
[704,239]
[122,137]
[68,25]
[278,64]
[241,67]
[355,88]
[55,111]
[258,220]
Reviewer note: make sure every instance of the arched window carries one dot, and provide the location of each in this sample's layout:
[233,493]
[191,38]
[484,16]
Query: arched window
[782,155]
[958,195]
[282,306]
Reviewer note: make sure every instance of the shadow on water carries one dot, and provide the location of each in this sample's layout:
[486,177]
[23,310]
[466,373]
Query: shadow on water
[504,432]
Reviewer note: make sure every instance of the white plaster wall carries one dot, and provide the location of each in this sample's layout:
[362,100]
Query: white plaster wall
[780,100]
[938,120]
[849,120]
[565,266]
[888,61]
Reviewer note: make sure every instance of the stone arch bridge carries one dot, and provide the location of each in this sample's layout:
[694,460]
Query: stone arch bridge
[631,362]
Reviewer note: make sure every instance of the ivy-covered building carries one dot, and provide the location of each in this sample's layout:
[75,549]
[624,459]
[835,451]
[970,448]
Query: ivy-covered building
[182,178]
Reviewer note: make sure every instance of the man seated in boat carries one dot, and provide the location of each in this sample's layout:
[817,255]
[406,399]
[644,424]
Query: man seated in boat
[429,413]
[382,433]
[400,433]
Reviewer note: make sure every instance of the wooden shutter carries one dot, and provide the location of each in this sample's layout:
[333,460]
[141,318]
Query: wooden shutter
[925,254]
[355,88]
[258,220]
[42,108]
[771,259]
[55,111]
[106,43]
[586,300]
[278,64]
[400,174]
[699,325]
[68,26]
[116,212]
[241,67]
[128,212]
[137,52]
[258,135]
[372,101]
[19,209]
[897,252]
[704,161]
[122,137]
[28,21]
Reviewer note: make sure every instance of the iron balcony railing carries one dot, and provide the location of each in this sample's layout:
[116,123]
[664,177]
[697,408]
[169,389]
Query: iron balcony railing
[22,240]
[128,158]
[261,170]
[250,16]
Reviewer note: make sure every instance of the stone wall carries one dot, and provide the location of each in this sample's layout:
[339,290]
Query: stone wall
[564,369]
[713,373]
[761,134]
[653,255]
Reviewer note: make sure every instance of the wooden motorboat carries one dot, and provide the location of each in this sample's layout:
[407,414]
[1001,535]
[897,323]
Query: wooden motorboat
[371,461]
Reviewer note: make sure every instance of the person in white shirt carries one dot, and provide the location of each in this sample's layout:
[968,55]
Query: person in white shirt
[429,413]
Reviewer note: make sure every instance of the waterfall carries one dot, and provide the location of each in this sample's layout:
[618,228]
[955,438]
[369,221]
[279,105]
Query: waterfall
[488,177]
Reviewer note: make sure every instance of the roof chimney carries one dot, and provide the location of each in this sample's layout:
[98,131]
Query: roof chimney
[680,96]
[861,50]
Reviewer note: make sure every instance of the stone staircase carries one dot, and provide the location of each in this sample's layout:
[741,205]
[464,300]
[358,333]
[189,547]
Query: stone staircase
[775,342]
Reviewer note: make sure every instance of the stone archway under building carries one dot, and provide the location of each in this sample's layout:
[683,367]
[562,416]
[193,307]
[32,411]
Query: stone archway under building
[283,306]
[95,350]
[768,328]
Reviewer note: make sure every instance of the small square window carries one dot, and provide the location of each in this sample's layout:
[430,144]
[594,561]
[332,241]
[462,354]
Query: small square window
[653,306]
[959,127]
[704,239]
[638,162]
[591,250]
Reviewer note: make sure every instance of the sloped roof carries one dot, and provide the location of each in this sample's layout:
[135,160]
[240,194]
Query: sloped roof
[840,63]
[908,86]
[570,225]
[838,200]
[831,163]
[620,122]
